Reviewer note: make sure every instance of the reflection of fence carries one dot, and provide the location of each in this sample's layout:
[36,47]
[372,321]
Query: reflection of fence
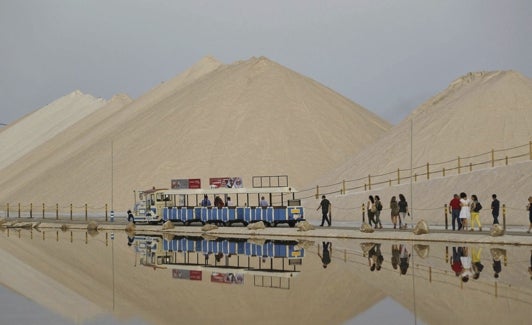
[42,211]
[491,159]
[64,236]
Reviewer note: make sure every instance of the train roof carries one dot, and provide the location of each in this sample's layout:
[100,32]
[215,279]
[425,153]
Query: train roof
[225,190]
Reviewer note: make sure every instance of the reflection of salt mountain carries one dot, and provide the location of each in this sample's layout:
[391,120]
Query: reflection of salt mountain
[37,286]
[253,117]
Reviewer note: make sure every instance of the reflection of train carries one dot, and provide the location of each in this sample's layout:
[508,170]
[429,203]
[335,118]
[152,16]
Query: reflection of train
[185,206]
[271,262]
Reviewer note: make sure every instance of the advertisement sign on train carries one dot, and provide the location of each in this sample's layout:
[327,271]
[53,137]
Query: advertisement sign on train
[229,182]
[186,274]
[227,278]
[189,183]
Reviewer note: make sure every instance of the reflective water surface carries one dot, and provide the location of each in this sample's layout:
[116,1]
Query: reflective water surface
[72,277]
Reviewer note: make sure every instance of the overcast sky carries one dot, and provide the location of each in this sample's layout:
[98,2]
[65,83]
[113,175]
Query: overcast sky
[388,56]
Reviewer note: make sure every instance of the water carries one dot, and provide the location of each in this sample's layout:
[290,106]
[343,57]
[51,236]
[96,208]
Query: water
[73,277]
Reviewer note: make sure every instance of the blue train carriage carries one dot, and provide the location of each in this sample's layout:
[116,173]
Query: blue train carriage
[185,206]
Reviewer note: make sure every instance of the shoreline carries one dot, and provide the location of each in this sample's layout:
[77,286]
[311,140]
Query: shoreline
[435,235]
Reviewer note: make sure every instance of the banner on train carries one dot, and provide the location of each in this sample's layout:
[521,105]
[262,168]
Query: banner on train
[188,183]
[229,182]
[187,274]
[227,278]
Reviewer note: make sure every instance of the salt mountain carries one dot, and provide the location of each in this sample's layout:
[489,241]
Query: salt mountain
[475,114]
[253,117]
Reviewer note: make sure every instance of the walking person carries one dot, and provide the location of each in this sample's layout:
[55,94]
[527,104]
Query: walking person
[475,213]
[454,210]
[325,206]
[403,211]
[465,213]
[495,207]
[378,206]
[529,208]
[371,209]
[394,208]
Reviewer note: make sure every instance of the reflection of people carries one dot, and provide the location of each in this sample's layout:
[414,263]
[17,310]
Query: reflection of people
[263,202]
[375,258]
[396,252]
[454,209]
[404,259]
[456,263]
[529,208]
[325,206]
[205,202]
[477,265]
[326,254]
[497,254]
[466,265]
[130,240]
[530,267]
[495,207]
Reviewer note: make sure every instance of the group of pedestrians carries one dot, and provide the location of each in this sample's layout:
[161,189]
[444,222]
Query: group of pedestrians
[463,209]
[465,212]
[398,211]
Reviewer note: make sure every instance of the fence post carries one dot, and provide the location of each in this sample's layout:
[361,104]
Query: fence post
[492,158]
[57,211]
[458,164]
[105,212]
[446,217]
[85,211]
[443,172]
[399,176]
[70,211]
[363,213]
[369,182]
[43,210]
[31,210]
[504,217]
[506,160]
[19,209]
[317,192]
[470,167]
[7,207]
[343,186]
[428,171]
[530,150]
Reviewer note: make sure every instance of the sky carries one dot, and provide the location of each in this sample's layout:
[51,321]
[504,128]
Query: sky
[388,56]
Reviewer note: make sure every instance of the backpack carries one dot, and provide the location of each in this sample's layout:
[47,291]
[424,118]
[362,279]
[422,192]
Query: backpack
[379,205]
[478,206]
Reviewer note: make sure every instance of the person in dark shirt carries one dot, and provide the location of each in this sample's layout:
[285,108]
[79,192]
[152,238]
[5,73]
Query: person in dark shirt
[495,206]
[325,207]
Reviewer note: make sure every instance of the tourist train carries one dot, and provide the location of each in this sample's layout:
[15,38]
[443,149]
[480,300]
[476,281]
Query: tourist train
[240,205]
